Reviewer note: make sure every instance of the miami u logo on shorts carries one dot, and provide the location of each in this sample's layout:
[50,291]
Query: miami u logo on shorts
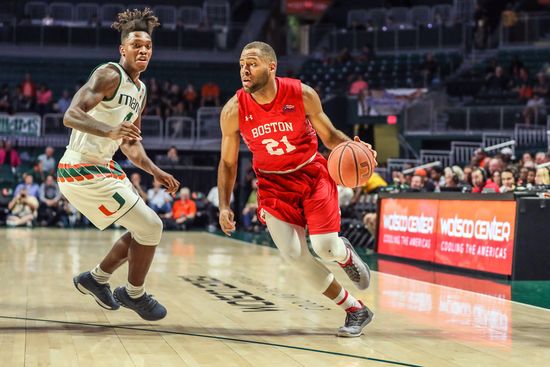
[119,199]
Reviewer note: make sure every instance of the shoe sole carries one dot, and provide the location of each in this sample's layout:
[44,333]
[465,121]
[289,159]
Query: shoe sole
[140,315]
[349,335]
[83,290]
[350,246]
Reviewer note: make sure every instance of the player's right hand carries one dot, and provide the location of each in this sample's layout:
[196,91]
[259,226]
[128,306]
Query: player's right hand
[227,222]
[127,131]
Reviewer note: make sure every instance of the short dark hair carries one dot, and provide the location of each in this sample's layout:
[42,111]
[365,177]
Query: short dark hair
[265,50]
[135,21]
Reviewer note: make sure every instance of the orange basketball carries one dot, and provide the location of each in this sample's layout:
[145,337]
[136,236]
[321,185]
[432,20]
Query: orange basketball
[351,164]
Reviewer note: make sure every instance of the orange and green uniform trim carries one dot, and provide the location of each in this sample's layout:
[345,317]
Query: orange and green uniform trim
[86,171]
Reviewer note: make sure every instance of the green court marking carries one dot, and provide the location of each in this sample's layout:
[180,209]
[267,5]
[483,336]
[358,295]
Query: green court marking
[214,337]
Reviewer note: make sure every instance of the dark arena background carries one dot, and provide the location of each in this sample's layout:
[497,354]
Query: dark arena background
[454,95]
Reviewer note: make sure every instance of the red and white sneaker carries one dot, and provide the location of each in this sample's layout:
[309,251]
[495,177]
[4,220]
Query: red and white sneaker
[356,269]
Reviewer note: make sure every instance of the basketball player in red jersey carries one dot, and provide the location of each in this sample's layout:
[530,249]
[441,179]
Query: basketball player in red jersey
[279,119]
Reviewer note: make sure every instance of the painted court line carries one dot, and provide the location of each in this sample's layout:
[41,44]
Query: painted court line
[388,362]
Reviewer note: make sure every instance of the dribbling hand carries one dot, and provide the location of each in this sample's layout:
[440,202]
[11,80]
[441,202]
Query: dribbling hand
[227,222]
[369,147]
[127,131]
[168,181]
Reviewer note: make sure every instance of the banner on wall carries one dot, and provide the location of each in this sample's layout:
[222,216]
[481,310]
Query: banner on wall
[20,125]
[472,234]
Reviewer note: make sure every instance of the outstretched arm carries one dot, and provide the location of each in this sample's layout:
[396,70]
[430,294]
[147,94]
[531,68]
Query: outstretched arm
[102,84]
[227,169]
[329,135]
[133,149]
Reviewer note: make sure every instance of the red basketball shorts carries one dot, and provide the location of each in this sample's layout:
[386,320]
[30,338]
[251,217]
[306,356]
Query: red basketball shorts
[307,196]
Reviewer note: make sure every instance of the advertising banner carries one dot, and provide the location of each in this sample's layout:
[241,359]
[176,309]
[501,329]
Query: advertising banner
[471,234]
[21,125]
[407,228]
[476,235]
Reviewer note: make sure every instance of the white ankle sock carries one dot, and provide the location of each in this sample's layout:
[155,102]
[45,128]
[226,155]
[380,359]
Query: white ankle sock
[100,276]
[135,292]
[347,301]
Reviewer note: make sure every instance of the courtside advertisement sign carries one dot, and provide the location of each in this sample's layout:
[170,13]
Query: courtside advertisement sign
[476,235]
[470,234]
[407,228]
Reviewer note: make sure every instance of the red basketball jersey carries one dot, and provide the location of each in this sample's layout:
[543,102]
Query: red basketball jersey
[279,135]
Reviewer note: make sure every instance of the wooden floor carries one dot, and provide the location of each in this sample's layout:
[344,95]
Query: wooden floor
[236,304]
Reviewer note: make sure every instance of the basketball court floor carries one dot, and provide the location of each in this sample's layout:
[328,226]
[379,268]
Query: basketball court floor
[232,303]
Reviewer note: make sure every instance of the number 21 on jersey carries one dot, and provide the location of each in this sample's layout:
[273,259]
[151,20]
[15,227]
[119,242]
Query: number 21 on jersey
[272,146]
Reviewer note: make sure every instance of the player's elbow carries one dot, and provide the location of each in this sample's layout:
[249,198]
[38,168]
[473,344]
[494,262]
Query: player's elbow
[68,118]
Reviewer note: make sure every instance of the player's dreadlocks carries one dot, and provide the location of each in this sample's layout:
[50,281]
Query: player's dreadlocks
[135,20]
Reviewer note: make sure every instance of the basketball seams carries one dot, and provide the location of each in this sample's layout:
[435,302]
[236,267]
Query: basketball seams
[368,154]
[340,163]
[356,167]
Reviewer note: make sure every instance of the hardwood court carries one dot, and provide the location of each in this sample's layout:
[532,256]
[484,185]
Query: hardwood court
[236,304]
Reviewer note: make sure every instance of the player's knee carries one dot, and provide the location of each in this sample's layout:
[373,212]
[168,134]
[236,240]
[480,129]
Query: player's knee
[328,246]
[146,228]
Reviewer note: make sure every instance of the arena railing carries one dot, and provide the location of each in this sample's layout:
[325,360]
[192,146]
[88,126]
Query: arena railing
[530,27]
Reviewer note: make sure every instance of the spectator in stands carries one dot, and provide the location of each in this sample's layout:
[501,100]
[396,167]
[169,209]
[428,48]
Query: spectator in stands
[345,195]
[135,179]
[495,164]
[28,88]
[159,200]
[481,28]
[171,158]
[20,103]
[437,177]
[49,164]
[509,17]
[63,103]
[212,208]
[357,86]
[508,181]
[5,100]
[44,98]
[373,185]
[531,175]
[515,67]
[481,183]
[210,94]
[467,175]
[190,98]
[9,156]
[526,157]
[184,210]
[37,172]
[543,176]
[22,209]
[534,110]
[451,178]
[497,81]
[50,207]
[480,158]
[540,158]
[154,100]
[429,69]
[523,85]
[496,178]
[249,211]
[522,179]
[417,183]
[541,85]
[363,102]
[28,184]
[507,155]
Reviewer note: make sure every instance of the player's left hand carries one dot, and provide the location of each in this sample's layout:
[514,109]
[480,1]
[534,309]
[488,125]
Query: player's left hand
[168,181]
[369,147]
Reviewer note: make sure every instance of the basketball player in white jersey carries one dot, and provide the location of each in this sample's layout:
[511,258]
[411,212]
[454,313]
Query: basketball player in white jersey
[105,115]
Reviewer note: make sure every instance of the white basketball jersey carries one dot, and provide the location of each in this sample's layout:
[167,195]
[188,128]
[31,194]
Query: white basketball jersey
[125,105]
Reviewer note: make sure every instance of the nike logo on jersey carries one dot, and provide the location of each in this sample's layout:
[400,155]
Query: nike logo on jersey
[248,117]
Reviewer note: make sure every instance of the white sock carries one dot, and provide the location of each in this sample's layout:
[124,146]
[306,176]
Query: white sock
[346,259]
[99,275]
[347,301]
[133,291]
